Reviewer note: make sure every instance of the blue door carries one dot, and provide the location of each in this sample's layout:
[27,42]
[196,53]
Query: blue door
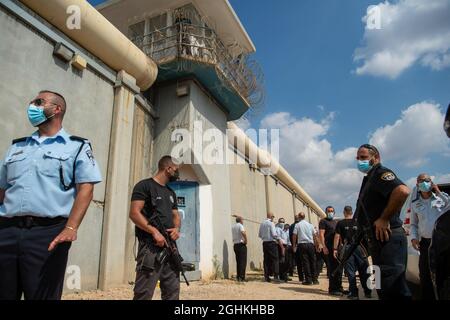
[187,199]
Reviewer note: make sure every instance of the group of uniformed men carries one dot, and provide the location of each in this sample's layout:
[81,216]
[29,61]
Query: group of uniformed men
[375,231]
[47,182]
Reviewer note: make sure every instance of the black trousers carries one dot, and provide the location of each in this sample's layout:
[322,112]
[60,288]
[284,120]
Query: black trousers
[391,258]
[299,264]
[270,251]
[335,281]
[319,264]
[27,267]
[240,250]
[291,261]
[283,262]
[357,262]
[146,279]
[426,283]
[308,259]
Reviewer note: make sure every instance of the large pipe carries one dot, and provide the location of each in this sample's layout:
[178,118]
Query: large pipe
[264,160]
[100,37]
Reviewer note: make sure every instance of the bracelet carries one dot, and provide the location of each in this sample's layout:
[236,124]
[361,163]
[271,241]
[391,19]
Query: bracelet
[71,228]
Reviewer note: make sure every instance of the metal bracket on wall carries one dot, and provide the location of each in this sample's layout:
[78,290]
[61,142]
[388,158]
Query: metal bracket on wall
[21,12]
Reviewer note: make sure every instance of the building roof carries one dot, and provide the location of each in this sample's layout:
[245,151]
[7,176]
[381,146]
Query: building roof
[219,13]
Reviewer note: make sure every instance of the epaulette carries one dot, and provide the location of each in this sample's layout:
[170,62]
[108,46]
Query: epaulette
[82,140]
[19,140]
[76,138]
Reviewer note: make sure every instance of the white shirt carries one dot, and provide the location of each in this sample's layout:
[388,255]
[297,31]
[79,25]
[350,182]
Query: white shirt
[284,236]
[236,231]
[305,232]
[425,212]
[267,231]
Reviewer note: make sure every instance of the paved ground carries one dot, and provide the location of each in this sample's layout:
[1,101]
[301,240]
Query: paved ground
[254,289]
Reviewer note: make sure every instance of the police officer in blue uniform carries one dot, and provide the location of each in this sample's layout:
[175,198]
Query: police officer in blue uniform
[381,198]
[46,186]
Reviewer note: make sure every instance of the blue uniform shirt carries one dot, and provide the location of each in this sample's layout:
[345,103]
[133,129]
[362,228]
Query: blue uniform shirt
[30,174]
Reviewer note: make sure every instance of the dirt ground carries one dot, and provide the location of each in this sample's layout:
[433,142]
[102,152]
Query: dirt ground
[254,289]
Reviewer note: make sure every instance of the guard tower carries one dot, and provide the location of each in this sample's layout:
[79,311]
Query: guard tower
[205,79]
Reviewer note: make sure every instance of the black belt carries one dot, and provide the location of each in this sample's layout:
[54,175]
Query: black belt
[28,222]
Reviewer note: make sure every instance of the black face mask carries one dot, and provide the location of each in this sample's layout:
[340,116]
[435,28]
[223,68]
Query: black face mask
[175,177]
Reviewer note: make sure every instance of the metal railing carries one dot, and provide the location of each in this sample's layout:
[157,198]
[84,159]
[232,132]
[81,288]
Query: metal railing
[199,44]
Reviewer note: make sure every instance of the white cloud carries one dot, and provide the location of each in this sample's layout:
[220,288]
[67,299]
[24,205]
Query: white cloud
[412,138]
[330,178]
[412,31]
[444,178]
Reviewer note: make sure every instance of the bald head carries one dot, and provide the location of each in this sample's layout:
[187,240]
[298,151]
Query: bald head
[270,215]
[301,216]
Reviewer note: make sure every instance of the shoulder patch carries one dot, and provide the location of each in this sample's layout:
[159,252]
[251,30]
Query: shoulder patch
[19,140]
[90,155]
[388,176]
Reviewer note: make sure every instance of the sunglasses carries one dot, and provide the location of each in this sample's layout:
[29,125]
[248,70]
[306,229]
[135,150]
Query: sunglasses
[40,102]
[370,147]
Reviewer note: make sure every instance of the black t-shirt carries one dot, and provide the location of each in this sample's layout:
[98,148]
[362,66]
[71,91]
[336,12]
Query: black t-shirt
[380,182]
[329,226]
[291,231]
[157,198]
[346,229]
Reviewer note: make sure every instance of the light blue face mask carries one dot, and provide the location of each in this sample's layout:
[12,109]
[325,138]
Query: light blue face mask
[364,166]
[36,115]
[425,186]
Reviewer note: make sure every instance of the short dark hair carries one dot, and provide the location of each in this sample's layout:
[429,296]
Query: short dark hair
[372,149]
[165,162]
[329,207]
[56,94]
[348,209]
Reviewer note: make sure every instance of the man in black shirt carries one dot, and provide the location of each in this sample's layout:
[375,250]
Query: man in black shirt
[381,198]
[327,229]
[345,230]
[153,197]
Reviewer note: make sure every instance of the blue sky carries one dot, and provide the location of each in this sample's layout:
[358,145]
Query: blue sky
[307,49]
